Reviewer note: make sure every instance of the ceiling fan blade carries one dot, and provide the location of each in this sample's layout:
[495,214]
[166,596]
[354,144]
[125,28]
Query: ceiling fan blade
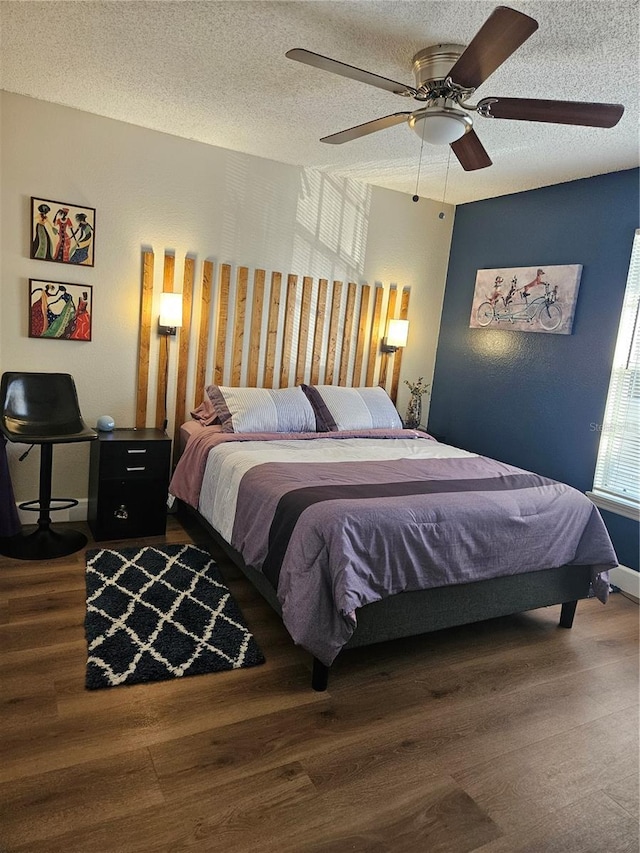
[326,64]
[501,34]
[366,128]
[556,112]
[471,152]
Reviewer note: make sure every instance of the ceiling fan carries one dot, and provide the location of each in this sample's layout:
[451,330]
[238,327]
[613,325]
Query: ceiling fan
[447,75]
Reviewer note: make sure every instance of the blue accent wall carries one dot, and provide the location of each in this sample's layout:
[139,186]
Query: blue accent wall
[531,399]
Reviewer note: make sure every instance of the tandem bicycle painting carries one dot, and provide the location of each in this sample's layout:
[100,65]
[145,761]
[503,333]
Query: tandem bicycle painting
[526,299]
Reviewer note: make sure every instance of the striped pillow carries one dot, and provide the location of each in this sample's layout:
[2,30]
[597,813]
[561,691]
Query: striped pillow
[262,409]
[338,408]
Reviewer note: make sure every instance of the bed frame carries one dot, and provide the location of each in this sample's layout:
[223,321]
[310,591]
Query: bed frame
[410,613]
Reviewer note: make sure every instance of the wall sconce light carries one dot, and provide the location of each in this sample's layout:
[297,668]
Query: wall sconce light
[397,334]
[170,313]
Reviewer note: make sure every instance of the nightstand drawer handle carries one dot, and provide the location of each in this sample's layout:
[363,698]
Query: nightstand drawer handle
[143,450]
[139,468]
[121,513]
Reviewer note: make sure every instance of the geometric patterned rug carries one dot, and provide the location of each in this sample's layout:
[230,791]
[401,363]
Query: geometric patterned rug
[156,613]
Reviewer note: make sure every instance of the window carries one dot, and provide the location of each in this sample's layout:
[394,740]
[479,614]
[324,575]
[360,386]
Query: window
[617,478]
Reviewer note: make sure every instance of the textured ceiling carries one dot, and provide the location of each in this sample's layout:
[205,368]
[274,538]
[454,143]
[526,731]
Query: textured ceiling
[216,72]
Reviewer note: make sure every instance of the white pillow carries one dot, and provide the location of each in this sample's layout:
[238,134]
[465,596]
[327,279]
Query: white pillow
[262,409]
[339,408]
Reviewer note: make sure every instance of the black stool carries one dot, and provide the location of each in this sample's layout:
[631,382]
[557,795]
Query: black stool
[42,408]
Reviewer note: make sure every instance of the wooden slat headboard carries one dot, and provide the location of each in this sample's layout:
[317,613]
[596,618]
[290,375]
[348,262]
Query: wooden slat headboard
[251,328]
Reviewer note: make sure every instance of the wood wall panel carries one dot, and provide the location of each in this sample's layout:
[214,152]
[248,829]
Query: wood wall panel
[318,331]
[184,340]
[163,352]
[356,378]
[242,281]
[256,328]
[203,333]
[144,339]
[347,333]
[397,361]
[289,325]
[304,328]
[374,341]
[355,328]
[221,328]
[391,313]
[332,343]
[272,329]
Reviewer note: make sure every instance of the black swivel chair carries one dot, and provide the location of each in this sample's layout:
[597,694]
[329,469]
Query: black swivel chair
[42,408]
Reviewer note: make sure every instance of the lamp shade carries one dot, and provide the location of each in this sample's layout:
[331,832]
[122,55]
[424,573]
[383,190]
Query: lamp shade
[397,333]
[171,309]
[440,126]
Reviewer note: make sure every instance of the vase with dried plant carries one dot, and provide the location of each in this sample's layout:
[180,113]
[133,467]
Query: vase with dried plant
[414,408]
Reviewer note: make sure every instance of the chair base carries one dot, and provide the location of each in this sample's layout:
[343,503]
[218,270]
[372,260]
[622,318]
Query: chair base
[45,543]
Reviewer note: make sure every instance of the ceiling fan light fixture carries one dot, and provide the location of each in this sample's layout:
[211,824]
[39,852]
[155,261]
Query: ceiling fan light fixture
[440,126]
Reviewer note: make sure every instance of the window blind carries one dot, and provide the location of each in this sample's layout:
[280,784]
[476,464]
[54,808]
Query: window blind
[617,475]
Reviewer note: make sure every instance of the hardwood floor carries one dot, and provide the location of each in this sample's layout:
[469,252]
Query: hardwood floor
[511,735]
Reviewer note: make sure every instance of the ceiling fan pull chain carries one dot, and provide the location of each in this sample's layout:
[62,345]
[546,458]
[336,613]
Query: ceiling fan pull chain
[446,177]
[416,197]
[446,181]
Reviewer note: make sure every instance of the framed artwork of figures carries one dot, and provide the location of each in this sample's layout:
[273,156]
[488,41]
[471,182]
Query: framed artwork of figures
[60,310]
[62,232]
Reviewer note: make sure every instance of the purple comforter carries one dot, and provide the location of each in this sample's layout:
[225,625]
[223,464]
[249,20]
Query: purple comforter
[335,536]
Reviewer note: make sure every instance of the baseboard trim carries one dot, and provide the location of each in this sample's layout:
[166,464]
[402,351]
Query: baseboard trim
[75,513]
[627,580]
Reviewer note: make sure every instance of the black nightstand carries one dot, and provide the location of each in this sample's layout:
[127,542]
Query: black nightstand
[128,483]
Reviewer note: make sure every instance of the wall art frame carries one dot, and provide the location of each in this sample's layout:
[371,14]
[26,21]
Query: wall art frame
[60,310]
[61,232]
[526,299]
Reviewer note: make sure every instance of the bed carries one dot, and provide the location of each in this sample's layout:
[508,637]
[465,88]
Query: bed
[358,531]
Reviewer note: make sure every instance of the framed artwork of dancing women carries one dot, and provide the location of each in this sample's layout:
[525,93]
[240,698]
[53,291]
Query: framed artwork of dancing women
[60,310]
[62,232]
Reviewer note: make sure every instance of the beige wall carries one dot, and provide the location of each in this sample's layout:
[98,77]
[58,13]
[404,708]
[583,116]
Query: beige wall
[152,190]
